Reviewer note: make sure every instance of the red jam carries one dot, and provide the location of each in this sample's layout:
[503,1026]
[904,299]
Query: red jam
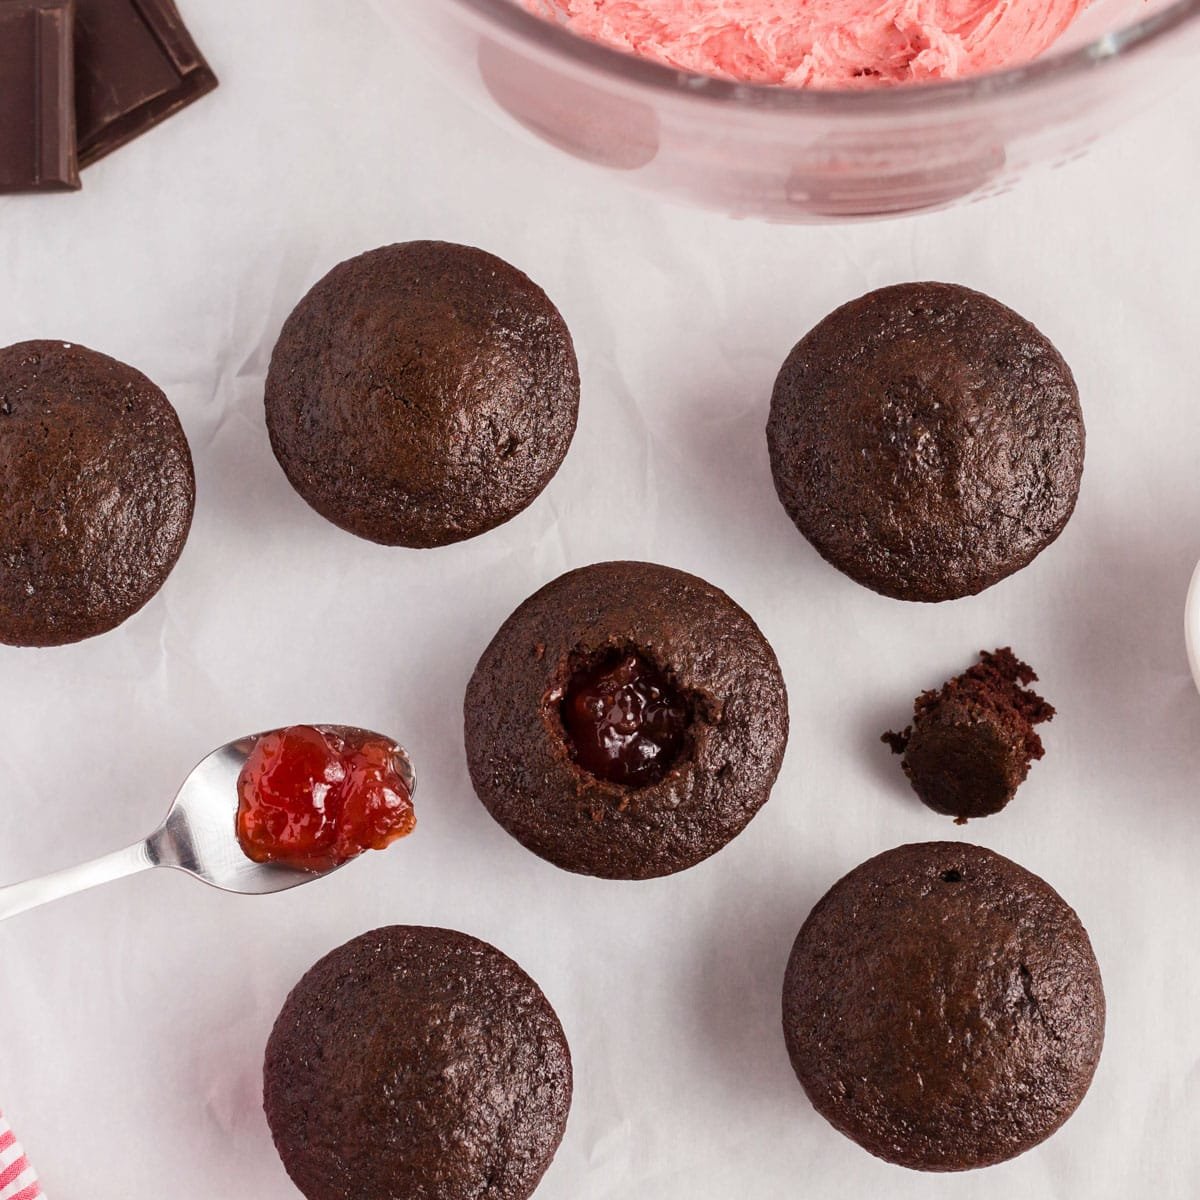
[625,722]
[316,798]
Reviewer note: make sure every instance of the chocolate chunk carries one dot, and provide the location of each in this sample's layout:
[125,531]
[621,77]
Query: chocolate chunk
[37,130]
[136,65]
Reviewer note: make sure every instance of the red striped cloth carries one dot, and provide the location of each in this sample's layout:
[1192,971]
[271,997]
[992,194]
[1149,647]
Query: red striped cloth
[18,1180]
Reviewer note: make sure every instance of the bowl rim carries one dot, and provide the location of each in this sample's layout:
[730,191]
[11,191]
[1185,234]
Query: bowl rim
[1052,67]
[1191,625]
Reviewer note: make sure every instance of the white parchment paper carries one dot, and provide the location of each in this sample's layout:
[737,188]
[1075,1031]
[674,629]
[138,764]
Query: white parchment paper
[134,1018]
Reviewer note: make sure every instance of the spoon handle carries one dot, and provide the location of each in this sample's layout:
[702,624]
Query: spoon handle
[20,897]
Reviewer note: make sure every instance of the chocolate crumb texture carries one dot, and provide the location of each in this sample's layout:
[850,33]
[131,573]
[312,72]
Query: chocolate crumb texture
[971,742]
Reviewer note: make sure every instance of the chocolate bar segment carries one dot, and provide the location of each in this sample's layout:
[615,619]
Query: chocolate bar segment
[136,65]
[37,103]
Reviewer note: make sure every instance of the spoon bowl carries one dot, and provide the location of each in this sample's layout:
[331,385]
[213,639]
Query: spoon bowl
[198,837]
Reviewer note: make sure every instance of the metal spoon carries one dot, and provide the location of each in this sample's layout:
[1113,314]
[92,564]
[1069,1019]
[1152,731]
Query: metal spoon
[199,836]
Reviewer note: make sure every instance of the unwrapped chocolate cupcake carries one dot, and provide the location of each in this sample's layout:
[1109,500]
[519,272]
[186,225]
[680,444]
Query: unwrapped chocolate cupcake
[417,1062]
[96,492]
[943,1007]
[927,440]
[627,721]
[422,393]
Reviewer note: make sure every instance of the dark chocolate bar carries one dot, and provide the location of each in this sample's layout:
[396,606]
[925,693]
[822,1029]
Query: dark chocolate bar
[135,66]
[37,103]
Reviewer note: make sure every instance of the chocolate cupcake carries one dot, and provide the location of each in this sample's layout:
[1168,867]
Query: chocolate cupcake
[417,1062]
[943,1007]
[627,721]
[422,393]
[927,440]
[96,492]
[971,742]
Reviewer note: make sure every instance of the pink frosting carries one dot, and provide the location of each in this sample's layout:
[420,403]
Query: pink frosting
[822,43]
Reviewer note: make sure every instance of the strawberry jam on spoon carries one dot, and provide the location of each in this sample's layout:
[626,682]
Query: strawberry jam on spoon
[314,797]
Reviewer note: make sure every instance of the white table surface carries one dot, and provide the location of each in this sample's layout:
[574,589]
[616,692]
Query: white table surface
[134,1018]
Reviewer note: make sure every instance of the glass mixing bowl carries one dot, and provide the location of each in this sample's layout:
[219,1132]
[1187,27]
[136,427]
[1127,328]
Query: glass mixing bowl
[804,156]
